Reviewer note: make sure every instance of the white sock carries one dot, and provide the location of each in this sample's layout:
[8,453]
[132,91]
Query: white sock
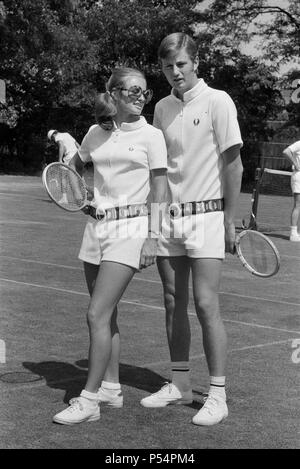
[113,388]
[217,387]
[90,396]
[181,376]
[294,230]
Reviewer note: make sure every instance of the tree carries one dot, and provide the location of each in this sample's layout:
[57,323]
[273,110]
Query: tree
[46,64]
[57,54]
[277,27]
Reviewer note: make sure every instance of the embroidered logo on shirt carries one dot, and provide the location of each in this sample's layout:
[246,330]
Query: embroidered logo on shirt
[196,121]
[131,148]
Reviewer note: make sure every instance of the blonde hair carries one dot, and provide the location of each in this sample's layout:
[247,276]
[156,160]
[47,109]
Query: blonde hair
[119,75]
[176,41]
[104,106]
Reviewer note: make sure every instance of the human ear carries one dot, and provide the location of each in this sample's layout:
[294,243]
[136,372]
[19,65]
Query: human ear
[196,63]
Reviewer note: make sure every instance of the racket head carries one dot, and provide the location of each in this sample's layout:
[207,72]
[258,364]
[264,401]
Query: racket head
[65,187]
[257,253]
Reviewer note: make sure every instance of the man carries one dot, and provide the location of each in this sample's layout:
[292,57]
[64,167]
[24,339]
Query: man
[204,176]
[67,145]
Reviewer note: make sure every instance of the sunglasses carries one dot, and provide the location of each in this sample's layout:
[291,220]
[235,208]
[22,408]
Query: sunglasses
[135,92]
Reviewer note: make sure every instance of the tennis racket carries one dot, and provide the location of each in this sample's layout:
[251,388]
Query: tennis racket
[257,253]
[65,187]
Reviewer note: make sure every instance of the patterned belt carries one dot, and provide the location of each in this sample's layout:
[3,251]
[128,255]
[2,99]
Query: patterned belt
[192,208]
[118,213]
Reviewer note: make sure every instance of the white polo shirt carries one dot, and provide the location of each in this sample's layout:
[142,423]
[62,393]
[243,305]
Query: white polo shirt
[197,130]
[69,144]
[295,150]
[122,159]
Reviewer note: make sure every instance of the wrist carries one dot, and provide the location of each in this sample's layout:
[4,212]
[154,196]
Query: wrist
[228,219]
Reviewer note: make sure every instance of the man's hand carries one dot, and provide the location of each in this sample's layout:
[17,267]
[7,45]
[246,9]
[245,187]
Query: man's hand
[230,237]
[148,254]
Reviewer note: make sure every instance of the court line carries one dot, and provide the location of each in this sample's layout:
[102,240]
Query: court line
[49,383]
[26,196]
[239,349]
[140,279]
[23,222]
[144,305]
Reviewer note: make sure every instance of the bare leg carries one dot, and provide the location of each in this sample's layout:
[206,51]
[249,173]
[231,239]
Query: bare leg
[206,280]
[174,273]
[110,284]
[296,210]
[112,371]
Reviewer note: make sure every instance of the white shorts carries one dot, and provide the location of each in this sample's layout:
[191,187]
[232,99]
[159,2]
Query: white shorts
[295,182]
[117,241]
[197,236]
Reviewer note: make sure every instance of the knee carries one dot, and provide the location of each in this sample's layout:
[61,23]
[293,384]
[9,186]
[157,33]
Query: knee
[207,306]
[169,299]
[97,318]
[175,299]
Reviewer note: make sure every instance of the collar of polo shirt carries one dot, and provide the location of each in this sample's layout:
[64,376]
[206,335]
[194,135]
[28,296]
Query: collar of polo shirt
[134,125]
[193,93]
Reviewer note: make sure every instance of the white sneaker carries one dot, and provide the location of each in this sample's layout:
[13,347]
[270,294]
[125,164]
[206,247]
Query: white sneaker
[113,400]
[80,410]
[295,237]
[213,411]
[168,394]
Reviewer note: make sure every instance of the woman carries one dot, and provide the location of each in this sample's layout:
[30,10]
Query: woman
[116,245]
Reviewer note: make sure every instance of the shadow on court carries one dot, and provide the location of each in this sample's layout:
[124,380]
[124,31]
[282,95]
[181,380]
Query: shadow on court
[146,380]
[71,378]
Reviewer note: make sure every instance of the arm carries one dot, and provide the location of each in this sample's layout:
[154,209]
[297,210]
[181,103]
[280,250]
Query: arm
[77,164]
[232,178]
[61,151]
[158,197]
[287,152]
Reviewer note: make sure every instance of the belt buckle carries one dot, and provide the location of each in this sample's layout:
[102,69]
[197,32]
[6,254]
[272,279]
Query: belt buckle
[175,210]
[100,214]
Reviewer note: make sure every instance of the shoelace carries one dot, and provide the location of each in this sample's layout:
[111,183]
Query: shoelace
[210,403]
[161,391]
[75,404]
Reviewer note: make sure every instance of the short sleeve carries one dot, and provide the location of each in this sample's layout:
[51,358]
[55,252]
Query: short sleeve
[84,149]
[295,147]
[157,150]
[225,123]
[156,119]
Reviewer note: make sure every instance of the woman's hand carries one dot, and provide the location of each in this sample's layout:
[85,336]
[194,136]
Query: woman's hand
[90,192]
[148,254]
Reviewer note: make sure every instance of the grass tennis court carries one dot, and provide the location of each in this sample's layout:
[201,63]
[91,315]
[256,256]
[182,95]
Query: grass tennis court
[43,305]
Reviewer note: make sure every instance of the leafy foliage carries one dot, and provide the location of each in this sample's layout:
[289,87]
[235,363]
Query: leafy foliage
[56,54]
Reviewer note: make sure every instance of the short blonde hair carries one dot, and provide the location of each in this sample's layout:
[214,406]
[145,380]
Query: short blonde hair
[176,41]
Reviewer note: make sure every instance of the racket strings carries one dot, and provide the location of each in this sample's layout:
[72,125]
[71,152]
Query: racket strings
[65,187]
[258,253]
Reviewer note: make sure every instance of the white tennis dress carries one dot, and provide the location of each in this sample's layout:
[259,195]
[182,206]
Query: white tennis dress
[122,160]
